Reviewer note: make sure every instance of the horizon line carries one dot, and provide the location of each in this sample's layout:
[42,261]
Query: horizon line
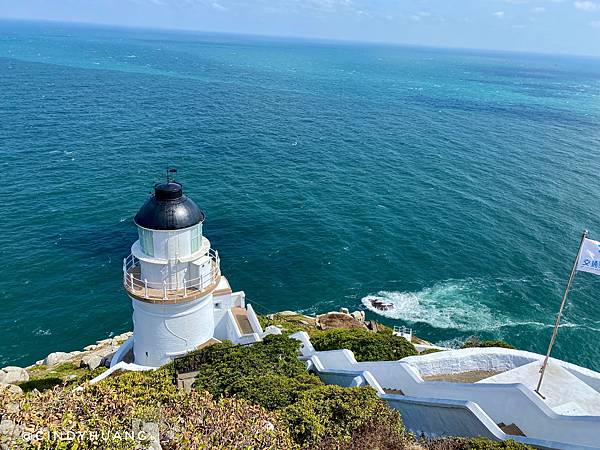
[314,39]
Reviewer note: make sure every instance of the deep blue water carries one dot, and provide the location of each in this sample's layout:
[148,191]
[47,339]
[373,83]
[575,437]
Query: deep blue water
[453,183]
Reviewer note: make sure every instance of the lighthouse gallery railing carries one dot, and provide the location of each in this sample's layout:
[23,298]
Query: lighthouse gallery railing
[169,290]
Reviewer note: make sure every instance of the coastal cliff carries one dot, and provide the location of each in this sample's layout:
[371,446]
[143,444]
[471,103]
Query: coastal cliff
[257,396]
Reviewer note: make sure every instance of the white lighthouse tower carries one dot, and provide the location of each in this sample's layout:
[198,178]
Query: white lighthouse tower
[180,299]
[170,276]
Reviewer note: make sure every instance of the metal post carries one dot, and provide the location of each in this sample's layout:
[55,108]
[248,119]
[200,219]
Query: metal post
[164,290]
[145,288]
[131,280]
[560,311]
[184,288]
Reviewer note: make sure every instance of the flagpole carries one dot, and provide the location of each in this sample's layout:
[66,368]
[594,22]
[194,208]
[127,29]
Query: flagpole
[560,311]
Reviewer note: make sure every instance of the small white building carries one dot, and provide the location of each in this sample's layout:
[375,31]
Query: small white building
[180,298]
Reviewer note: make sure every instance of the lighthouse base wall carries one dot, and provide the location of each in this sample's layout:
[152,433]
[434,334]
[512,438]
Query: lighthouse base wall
[164,331]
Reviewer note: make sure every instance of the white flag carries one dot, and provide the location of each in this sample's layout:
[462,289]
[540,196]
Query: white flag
[589,259]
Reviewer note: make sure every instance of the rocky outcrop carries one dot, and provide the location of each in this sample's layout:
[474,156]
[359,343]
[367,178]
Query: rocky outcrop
[91,361]
[92,356]
[107,359]
[271,329]
[359,316]
[340,319]
[13,375]
[11,388]
[10,429]
[56,358]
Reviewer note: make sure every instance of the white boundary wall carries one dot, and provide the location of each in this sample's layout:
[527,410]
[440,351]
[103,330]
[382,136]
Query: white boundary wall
[495,359]
[438,408]
[253,319]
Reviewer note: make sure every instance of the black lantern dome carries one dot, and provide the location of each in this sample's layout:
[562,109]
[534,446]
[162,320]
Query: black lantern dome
[169,209]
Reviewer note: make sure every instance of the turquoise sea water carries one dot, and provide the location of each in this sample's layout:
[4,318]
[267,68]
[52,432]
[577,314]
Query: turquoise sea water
[453,183]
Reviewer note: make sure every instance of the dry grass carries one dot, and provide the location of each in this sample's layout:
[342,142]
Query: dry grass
[464,377]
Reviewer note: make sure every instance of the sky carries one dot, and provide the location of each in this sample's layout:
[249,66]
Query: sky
[546,26]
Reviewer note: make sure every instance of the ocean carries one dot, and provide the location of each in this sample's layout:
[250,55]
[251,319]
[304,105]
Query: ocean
[452,183]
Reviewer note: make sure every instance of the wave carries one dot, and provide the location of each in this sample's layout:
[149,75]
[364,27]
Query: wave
[451,304]
[42,332]
[455,304]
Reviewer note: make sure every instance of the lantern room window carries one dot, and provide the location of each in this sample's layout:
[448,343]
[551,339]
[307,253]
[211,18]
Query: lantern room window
[146,241]
[196,237]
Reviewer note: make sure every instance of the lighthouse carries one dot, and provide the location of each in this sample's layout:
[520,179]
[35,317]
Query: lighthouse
[170,275]
[181,301]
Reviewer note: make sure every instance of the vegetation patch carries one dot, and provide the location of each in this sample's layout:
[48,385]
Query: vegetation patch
[454,443]
[366,345]
[269,374]
[244,397]
[46,377]
[289,323]
[246,370]
[100,416]
[472,376]
[429,351]
[474,342]
[331,417]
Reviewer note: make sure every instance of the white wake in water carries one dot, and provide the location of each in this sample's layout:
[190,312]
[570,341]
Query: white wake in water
[457,304]
[449,305]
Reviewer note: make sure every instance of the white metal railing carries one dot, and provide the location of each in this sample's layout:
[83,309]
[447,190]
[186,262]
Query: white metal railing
[404,332]
[169,290]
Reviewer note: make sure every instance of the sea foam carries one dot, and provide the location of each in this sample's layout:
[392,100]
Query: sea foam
[452,304]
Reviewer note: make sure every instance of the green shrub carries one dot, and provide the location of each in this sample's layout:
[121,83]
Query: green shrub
[41,384]
[384,329]
[267,373]
[366,345]
[474,341]
[429,351]
[273,391]
[454,443]
[46,377]
[331,416]
[289,323]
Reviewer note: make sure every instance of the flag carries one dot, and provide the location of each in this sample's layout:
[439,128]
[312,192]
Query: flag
[589,258]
